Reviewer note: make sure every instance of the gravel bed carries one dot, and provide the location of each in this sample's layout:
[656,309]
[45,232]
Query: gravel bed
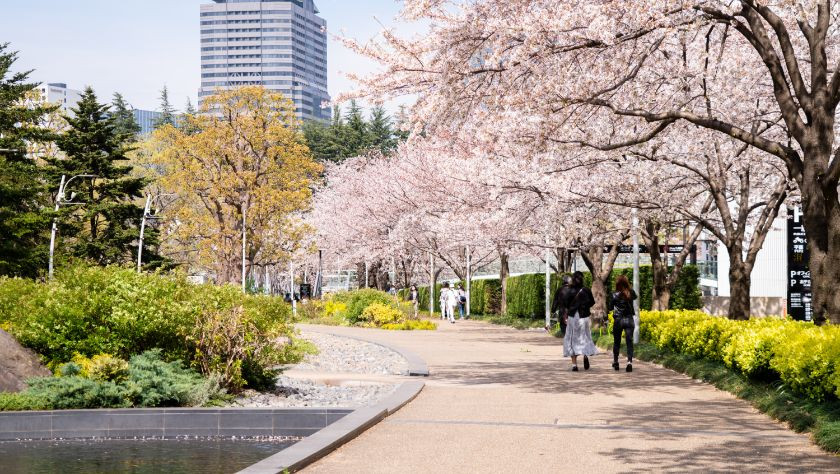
[335,355]
[351,356]
[306,393]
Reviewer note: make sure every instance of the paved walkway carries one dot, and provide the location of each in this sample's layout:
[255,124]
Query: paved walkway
[502,400]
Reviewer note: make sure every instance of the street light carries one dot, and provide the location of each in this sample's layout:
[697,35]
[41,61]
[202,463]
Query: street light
[58,201]
[147,214]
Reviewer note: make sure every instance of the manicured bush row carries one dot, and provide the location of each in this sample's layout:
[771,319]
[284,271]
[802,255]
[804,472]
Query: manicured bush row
[804,357]
[526,293]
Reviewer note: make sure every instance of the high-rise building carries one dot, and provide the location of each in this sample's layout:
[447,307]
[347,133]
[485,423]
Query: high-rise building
[278,44]
[58,93]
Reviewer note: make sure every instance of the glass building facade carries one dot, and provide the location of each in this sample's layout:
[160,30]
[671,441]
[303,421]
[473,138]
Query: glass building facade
[278,44]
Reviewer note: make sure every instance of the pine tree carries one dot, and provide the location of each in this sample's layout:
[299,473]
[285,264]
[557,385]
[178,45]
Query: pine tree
[189,109]
[356,138]
[104,226]
[167,111]
[23,225]
[124,121]
[380,134]
[187,122]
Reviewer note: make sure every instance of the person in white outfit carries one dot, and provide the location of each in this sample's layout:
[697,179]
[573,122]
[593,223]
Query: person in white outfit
[444,289]
[451,302]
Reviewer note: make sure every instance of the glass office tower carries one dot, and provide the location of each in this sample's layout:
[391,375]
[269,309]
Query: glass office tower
[279,44]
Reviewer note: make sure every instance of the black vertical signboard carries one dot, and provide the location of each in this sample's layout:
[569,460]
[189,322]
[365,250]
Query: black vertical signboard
[799,275]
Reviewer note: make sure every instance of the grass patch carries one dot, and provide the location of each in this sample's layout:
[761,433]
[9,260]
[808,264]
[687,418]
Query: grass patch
[803,415]
[511,321]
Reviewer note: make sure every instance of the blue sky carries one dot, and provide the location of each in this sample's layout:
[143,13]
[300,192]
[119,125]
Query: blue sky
[136,46]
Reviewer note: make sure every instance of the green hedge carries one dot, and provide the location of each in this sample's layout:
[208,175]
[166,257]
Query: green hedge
[803,356]
[526,293]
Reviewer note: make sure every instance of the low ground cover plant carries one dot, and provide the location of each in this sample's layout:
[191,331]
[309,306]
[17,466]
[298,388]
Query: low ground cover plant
[105,381]
[88,311]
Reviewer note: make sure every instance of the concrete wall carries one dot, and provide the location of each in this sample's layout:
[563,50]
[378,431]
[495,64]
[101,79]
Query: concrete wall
[759,305]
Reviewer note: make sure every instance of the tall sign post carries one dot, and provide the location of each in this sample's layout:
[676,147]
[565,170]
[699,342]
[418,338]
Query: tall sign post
[469,280]
[798,272]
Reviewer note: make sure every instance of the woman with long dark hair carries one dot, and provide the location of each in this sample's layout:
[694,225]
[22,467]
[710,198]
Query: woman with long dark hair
[578,339]
[623,319]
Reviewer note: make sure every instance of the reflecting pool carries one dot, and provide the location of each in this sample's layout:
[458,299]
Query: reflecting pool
[135,456]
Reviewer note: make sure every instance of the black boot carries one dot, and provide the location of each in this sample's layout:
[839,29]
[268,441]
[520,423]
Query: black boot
[615,365]
[585,363]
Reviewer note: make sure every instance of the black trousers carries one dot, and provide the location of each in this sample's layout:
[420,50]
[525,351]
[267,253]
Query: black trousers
[628,337]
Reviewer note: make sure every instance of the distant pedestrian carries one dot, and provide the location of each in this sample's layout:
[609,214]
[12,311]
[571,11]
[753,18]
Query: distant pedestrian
[624,313]
[414,298]
[563,295]
[462,301]
[578,339]
[450,302]
[444,291]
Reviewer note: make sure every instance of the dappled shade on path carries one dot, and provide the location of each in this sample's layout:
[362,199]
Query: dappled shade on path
[502,400]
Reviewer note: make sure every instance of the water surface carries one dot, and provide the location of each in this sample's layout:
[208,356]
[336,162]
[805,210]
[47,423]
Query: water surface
[214,456]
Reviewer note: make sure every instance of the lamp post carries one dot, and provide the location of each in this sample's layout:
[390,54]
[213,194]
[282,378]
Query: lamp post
[636,274]
[62,187]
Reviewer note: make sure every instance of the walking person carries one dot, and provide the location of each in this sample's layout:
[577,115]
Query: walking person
[462,301]
[564,294]
[623,320]
[414,298]
[450,303]
[578,339]
[444,292]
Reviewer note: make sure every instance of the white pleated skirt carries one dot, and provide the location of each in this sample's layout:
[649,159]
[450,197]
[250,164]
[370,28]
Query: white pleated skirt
[578,339]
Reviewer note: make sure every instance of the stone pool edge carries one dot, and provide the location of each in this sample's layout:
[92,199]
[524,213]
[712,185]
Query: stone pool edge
[330,438]
[133,423]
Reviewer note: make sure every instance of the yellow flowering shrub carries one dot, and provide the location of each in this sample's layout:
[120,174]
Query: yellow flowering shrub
[803,356]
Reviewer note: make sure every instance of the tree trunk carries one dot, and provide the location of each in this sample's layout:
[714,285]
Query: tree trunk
[739,286]
[504,272]
[599,292]
[661,297]
[821,217]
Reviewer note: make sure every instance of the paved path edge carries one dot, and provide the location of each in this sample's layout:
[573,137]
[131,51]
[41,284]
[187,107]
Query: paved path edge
[327,440]
[416,365]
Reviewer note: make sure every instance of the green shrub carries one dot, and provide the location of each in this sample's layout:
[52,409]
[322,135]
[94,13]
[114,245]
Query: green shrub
[149,382]
[804,357]
[75,391]
[22,401]
[88,311]
[358,300]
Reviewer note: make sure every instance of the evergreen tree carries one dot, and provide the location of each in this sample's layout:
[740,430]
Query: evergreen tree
[356,140]
[380,134]
[167,111]
[189,109]
[187,123]
[23,226]
[124,121]
[105,225]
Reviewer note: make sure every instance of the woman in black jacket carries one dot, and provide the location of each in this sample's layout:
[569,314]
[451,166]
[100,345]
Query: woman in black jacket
[578,339]
[623,319]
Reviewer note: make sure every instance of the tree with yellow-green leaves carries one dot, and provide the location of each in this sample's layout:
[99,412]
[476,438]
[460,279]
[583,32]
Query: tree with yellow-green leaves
[241,159]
